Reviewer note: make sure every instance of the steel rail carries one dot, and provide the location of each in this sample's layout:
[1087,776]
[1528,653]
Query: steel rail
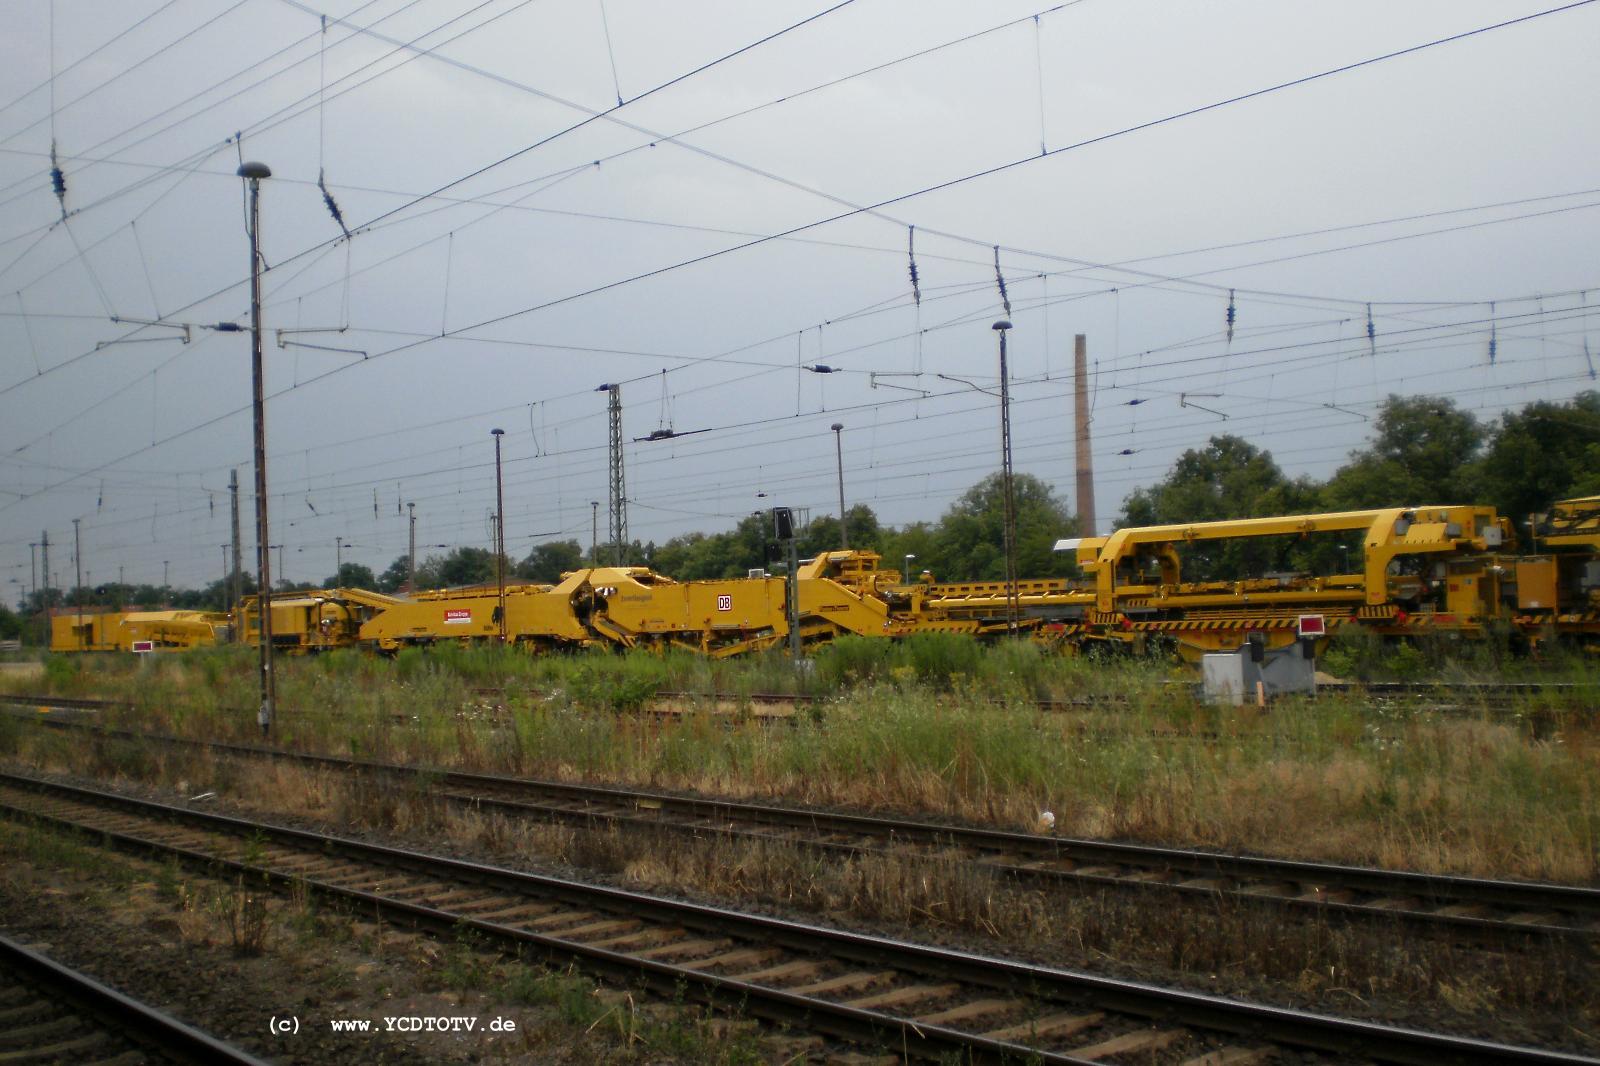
[1449,901]
[143,1026]
[1285,1026]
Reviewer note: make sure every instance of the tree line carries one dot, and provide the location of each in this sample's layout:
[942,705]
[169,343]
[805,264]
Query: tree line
[1421,450]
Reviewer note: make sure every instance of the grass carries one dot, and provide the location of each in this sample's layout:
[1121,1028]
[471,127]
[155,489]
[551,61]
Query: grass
[935,726]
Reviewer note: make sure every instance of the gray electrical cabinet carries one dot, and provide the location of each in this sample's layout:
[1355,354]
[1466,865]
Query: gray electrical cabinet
[1231,676]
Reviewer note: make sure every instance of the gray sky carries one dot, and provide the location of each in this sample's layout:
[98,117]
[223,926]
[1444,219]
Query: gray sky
[478,307]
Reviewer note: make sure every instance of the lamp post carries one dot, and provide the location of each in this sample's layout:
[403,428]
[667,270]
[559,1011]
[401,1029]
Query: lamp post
[500,536]
[77,563]
[411,559]
[594,532]
[1007,483]
[838,453]
[252,173]
[909,557]
[338,560]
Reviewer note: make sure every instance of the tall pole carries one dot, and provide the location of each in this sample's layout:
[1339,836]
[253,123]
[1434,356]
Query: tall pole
[838,453]
[338,560]
[222,589]
[783,530]
[44,548]
[166,569]
[77,565]
[236,589]
[253,173]
[594,532]
[1084,455]
[1008,484]
[33,568]
[619,493]
[411,560]
[500,536]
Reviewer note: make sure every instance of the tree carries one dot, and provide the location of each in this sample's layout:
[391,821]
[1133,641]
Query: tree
[394,577]
[548,561]
[969,543]
[462,566]
[822,534]
[352,576]
[676,557]
[916,539]
[1228,478]
[10,623]
[467,566]
[1422,453]
[1542,453]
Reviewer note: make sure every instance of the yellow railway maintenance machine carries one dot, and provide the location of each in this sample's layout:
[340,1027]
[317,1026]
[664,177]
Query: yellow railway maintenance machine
[101,629]
[311,620]
[1417,569]
[1558,588]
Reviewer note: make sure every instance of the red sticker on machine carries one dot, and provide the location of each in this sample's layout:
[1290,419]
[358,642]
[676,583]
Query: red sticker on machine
[457,617]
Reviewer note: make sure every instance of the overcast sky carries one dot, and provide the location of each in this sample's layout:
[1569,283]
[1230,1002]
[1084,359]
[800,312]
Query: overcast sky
[1454,188]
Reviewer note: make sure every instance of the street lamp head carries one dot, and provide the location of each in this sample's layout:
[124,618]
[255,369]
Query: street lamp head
[254,171]
[497,432]
[1001,325]
[837,426]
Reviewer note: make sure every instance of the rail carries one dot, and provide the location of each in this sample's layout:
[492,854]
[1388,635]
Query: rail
[883,994]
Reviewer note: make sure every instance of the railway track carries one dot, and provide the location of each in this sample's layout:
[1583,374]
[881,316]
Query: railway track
[878,994]
[50,1013]
[1487,908]
[1495,698]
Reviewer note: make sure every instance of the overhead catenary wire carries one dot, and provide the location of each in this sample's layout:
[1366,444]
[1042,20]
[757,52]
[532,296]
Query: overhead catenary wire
[117,38]
[611,52]
[592,117]
[982,451]
[121,73]
[1474,324]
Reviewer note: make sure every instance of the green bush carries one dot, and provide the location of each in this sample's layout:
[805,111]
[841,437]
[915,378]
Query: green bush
[620,682]
[940,658]
[854,660]
[1405,662]
[1354,653]
[410,663]
[62,673]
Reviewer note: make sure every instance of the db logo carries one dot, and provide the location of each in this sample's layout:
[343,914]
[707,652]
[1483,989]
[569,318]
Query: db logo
[724,603]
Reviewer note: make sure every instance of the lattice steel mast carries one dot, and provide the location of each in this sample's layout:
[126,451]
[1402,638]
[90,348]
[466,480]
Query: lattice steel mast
[618,513]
